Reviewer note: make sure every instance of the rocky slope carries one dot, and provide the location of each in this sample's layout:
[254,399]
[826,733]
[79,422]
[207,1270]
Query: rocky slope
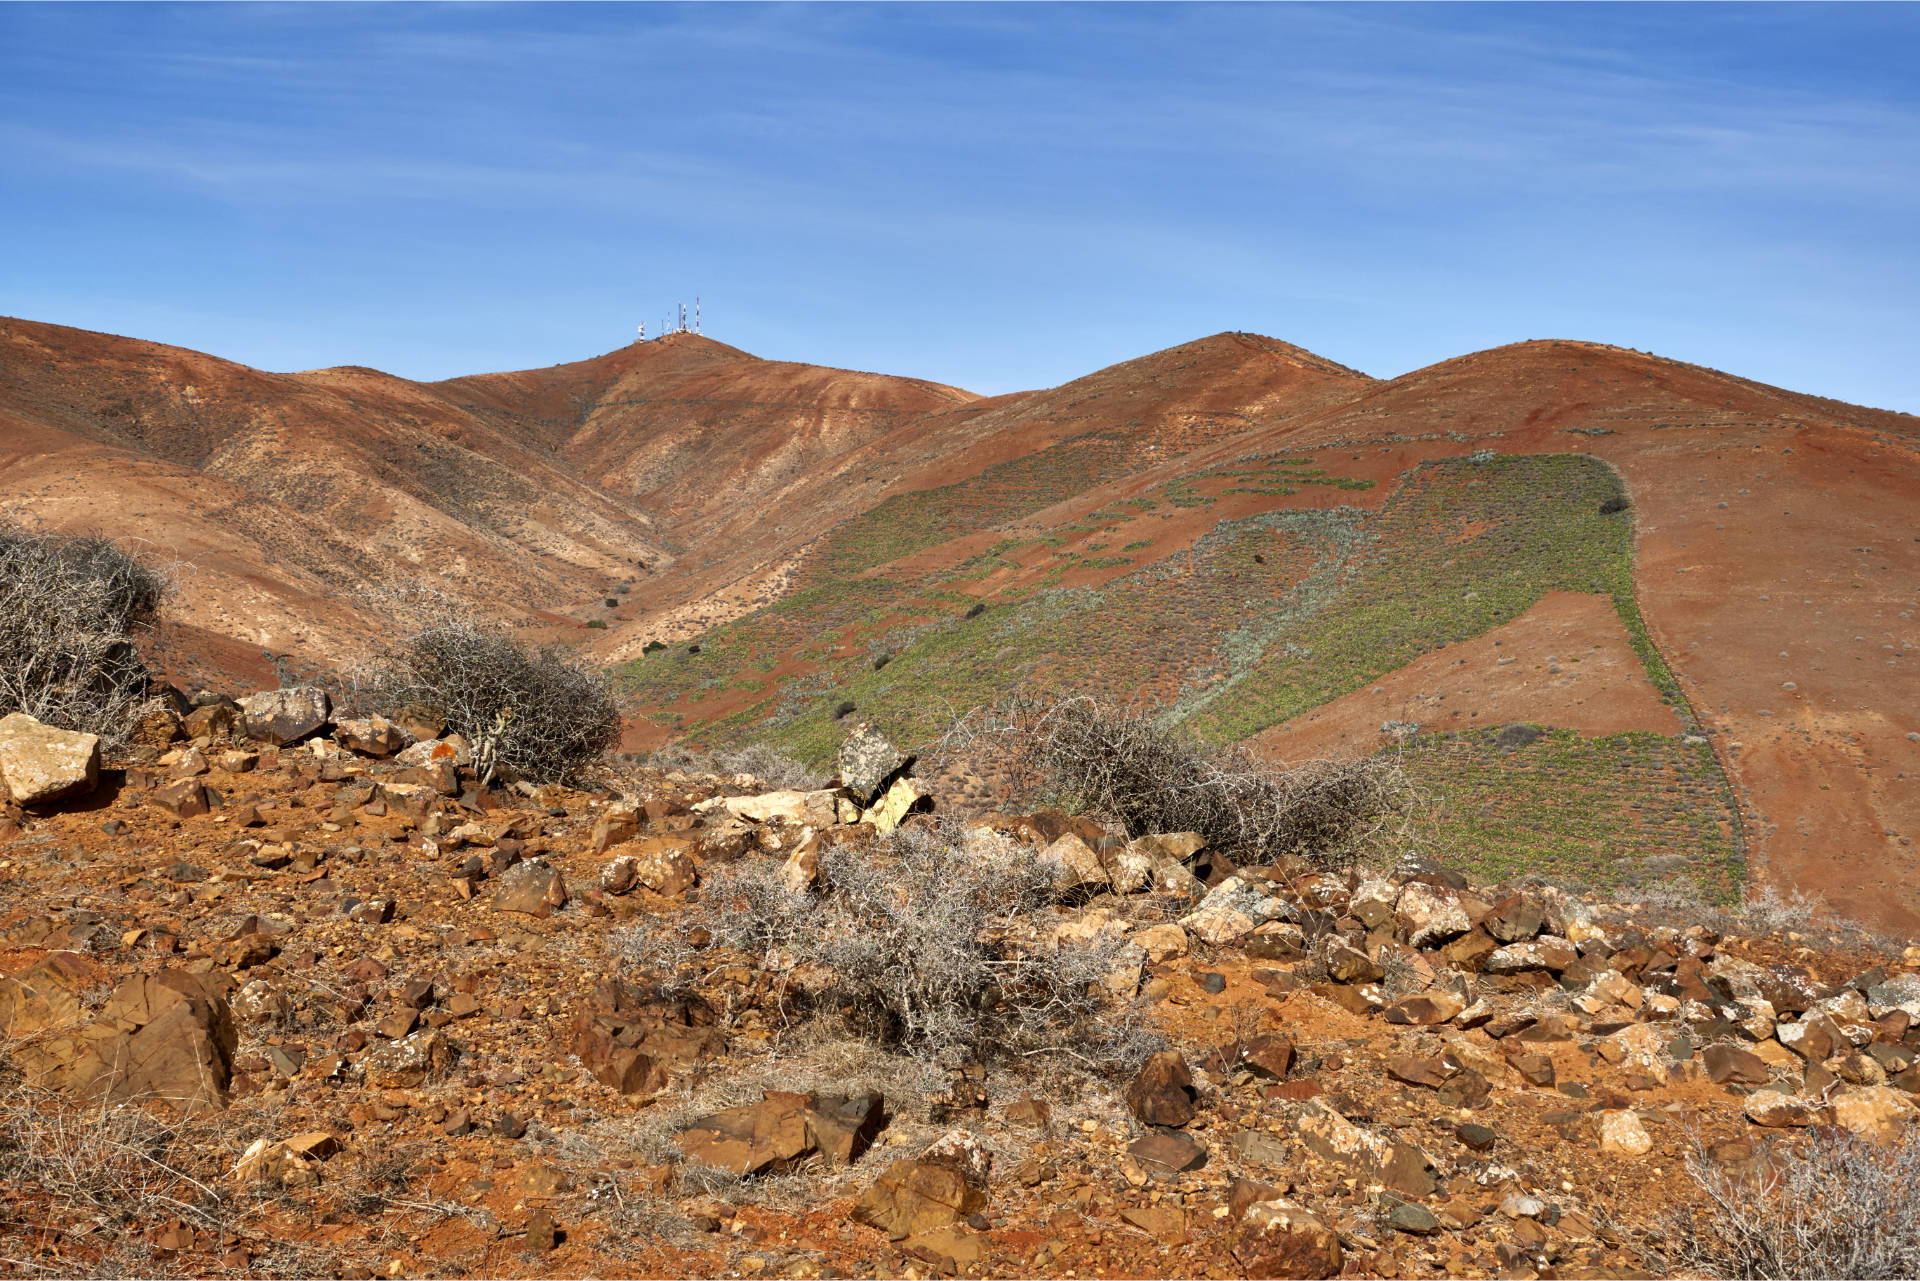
[363,1015]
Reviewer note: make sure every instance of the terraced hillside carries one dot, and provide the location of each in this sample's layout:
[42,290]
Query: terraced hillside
[1263,617]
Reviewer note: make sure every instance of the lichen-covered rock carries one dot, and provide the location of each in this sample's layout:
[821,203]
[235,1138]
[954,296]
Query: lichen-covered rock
[1232,908]
[283,716]
[371,736]
[1428,916]
[867,763]
[40,763]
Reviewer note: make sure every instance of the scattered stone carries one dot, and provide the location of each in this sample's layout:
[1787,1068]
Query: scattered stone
[1162,1092]
[534,888]
[1623,1133]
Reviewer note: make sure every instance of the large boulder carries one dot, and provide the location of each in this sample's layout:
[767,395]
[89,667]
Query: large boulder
[868,762]
[39,763]
[283,716]
[167,1037]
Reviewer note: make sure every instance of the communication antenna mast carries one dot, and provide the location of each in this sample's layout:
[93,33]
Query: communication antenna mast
[643,331]
[696,313]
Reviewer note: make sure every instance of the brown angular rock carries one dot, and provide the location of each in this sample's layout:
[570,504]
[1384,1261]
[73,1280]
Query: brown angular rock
[1174,1152]
[616,825]
[372,736]
[534,888]
[168,1037]
[631,1040]
[916,1196]
[1729,1063]
[1514,919]
[1162,1092]
[780,1131]
[283,716]
[1280,1239]
[186,798]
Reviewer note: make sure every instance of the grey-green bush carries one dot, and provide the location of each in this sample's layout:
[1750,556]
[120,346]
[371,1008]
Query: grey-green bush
[542,715]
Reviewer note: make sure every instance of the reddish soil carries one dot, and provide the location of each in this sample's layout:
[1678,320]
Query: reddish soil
[1567,662]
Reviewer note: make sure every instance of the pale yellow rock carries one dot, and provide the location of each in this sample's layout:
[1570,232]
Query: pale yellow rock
[886,813]
[1623,1133]
[1162,942]
[1878,1113]
[1079,865]
[41,763]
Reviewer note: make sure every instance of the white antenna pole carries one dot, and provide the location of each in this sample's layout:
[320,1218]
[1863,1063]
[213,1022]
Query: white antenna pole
[696,313]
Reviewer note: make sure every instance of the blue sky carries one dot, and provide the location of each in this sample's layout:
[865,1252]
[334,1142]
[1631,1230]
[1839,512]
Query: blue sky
[997,197]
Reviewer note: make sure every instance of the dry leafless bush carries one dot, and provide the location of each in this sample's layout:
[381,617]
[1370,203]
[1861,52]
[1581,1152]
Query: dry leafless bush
[71,608]
[1831,1205]
[1119,764]
[124,1165]
[539,714]
[927,942]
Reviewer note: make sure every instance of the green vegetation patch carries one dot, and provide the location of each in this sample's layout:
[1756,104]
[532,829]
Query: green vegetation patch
[1609,813]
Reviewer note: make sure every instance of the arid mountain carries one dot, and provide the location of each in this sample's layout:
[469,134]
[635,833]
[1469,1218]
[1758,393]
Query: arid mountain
[1694,592]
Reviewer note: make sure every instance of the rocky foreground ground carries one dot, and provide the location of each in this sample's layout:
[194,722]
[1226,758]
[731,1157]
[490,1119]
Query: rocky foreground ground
[286,996]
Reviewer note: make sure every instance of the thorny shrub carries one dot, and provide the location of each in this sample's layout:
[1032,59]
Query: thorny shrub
[1119,764]
[542,714]
[1830,1205]
[932,941]
[71,608]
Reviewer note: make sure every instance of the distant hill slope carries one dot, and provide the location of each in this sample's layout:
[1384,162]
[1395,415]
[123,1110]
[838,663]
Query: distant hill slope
[1273,571]
[1700,589]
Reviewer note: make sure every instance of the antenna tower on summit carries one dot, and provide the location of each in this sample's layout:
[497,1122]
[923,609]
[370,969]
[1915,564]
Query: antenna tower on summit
[696,313]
